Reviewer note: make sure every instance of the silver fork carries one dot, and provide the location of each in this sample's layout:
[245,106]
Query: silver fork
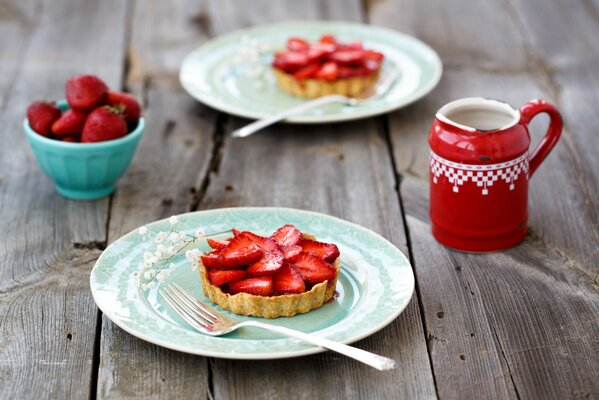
[209,322]
[379,90]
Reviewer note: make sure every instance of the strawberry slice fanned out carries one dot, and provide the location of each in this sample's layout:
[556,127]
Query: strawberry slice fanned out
[290,252]
[219,278]
[327,251]
[266,244]
[261,286]
[270,263]
[235,231]
[287,235]
[212,260]
[217,244]
[313,269]
[242,250]
[288,281]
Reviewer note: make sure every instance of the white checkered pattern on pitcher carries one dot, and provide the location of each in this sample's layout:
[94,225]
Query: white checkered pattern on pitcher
[484,176]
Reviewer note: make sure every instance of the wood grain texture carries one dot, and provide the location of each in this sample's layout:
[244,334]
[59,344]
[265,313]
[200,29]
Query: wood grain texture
[48,318]
[343,170]
[520,323]
[173,158]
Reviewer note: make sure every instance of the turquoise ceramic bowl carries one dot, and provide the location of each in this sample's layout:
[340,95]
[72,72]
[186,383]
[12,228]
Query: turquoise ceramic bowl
[84,171]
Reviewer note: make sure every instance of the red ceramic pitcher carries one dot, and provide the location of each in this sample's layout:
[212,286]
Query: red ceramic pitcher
[479,170]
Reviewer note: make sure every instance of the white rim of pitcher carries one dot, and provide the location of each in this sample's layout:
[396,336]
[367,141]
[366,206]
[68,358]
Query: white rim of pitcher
[477,101]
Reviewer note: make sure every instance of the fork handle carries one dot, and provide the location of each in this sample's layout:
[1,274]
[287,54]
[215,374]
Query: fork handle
[264,122]
[374,360]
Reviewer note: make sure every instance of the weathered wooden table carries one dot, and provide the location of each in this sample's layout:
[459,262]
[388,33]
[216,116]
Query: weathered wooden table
[522,323]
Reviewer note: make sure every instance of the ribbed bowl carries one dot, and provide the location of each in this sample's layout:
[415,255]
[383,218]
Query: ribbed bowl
[84,171]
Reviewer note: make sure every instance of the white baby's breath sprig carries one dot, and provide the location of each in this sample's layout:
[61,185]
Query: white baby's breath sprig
[157,262]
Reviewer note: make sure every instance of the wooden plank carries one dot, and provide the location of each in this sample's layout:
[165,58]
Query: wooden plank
[172,160]
[48,319]
[296,166]
[520,323]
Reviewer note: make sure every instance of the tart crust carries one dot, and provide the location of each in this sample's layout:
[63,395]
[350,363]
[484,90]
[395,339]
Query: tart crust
[313,88]
[286,305]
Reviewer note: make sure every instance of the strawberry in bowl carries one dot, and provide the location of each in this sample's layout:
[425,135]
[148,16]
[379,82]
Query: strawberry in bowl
[326,67]
[84,144]
[287,273]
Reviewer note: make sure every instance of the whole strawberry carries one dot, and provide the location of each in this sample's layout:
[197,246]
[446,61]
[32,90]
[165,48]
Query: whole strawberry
[104,123]
[132,108]
[70,123]
[41,116]
[86,92]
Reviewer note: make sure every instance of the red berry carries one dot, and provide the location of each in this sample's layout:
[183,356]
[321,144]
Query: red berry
[329,71]
[70,123]
[314,269]
[86,92]
[235,231]
[327,251]
[328,39]
[41,115]
[242,250]
[297,44]
[287,235]
[266,244]
[212,260]
[290,252]
[269,264]
[258,286]
[219,278]
[132,109]
[288,280]
[104,123]
[217,244]
[307,72]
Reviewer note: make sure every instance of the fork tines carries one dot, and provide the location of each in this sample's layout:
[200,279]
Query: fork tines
[191,310]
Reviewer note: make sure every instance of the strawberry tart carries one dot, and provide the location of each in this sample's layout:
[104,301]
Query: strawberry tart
[326,67]
[285,274]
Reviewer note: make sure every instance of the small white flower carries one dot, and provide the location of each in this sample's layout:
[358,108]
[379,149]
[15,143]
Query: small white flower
[173,220]
[174,237]
[149,274]
[181,236]
[143,231]
[171,250]
[162,275]
[161,248]
[171,267]
[160,237]
[149,262]
[158,254]
[193,256]
[200,232]
[147,255]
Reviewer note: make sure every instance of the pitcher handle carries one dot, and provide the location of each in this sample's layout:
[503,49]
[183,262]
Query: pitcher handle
[527,112]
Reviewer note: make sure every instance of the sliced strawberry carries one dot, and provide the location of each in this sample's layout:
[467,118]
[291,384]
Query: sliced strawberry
[287,235]
[219,278]
[212,260]
[374,55]
[327,251]
[268,265]
[290,61]
[259,286]
[297,44]
[307,72]
[329,71]
[314,269]
[235,231]
[328,39]
[217,244]
[288,280]
[346,72]
[290,252]
[242,250]
[347,56]
[266,244]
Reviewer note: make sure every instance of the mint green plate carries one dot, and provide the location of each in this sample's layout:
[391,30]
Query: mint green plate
[375,285]
[232,73]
